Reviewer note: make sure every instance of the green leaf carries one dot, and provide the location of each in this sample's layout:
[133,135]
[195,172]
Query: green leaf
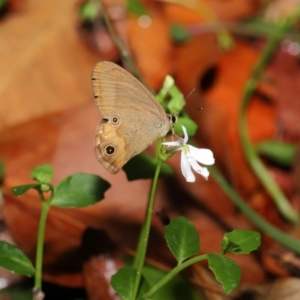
[171,98]
[137,7]
[188,123]
[226,271]
[182,238]
[170,92]
[123,282]
[179,34]
[2,170]
[176,102]
[178,288]
[143,166]
[22,189]
[241,241]
[280,153]
[42,174]
[79,190]
[169,82]
[45,187]
[256,26]
[225,40]
[13,259]
[89,11]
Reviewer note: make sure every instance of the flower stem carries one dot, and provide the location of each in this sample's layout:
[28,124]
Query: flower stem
[257,166]
[276,234]
[40,242]
[144,236]
[172,274]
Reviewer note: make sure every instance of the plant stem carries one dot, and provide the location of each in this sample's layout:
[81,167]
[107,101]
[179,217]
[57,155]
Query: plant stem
[173,273]
[257,166]
[144,236]
[40,242]
[276,234]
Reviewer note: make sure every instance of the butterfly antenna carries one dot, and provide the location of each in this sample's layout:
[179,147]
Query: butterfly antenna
[176,114]
[191,92]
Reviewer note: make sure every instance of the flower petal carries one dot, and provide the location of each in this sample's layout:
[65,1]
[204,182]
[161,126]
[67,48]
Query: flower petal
[200,170]
[203,156]
[186,168]
[186,137]
[173,144]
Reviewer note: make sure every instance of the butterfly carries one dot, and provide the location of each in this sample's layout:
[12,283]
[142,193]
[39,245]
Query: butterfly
[131,116]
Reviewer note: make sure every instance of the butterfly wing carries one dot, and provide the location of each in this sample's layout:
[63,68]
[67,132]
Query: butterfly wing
[131,117]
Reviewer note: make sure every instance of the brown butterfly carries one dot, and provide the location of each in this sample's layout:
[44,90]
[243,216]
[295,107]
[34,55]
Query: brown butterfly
[131,117]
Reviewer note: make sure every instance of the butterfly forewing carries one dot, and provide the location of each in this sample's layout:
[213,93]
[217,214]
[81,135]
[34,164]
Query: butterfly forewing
[114,86]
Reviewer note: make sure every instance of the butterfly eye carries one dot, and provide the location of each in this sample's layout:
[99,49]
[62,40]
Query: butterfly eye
[173,119]
[115,120]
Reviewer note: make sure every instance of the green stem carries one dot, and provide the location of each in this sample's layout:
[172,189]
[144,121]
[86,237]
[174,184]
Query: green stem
[257,166]
[144,236]
[172,274]
[276,234]
[40,242]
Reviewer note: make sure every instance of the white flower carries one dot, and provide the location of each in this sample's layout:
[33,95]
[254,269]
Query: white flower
[190,157]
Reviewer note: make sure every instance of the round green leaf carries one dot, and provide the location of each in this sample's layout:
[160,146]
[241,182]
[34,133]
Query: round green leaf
[241,241]
[182,238]
[226,271]
[13,259]
[42,174]
[79,190]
